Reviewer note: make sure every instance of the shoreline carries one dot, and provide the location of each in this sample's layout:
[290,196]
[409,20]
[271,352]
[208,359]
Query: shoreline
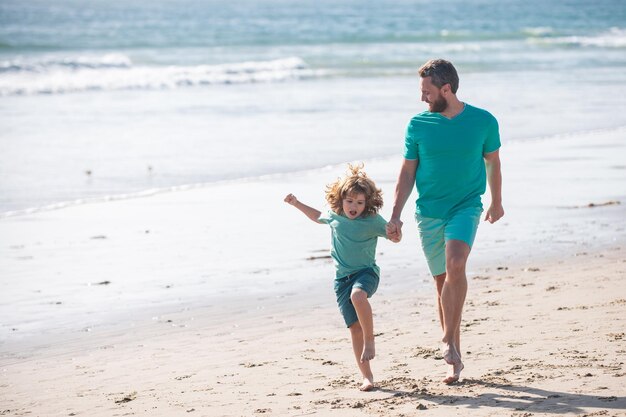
[149,192]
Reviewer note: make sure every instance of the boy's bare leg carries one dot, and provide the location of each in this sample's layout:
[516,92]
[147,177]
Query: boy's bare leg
[364,313]
[357,345]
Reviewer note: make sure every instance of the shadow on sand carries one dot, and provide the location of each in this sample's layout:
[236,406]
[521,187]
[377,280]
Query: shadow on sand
[510,397]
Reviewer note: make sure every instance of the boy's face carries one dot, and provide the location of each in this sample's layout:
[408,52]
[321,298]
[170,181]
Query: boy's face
[354,205]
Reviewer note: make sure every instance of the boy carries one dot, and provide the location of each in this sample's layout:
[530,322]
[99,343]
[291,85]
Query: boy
[356,225]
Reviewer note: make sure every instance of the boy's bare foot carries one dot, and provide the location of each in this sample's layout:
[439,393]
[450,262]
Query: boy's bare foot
[368,384]
[369,351]
[456,374]
[450,354]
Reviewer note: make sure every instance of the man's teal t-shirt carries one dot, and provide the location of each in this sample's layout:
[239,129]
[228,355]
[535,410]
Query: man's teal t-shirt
[354,241]
[451,171]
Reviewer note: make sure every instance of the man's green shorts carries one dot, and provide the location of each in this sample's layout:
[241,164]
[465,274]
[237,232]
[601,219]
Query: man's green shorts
[365,279]
[434,233]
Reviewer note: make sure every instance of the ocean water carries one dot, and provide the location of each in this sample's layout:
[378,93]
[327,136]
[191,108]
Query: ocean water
[114,98]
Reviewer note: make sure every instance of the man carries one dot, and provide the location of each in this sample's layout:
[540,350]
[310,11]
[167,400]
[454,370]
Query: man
[449,150]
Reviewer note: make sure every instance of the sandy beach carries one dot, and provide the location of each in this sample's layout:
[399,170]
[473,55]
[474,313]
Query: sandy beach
[100,317]
[546,340]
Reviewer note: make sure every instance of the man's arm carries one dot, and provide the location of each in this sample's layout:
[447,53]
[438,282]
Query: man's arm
[404,187]
[494,178]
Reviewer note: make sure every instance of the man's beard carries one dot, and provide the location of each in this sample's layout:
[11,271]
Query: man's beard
[439,105]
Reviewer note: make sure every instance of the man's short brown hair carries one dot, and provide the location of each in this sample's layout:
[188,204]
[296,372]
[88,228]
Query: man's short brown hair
[441,72]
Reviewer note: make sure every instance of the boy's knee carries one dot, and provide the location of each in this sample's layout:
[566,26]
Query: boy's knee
[358,296]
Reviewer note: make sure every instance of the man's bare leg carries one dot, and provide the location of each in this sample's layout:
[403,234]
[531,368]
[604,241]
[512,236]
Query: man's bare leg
[455,370]
[364,313]
[357,345]
[453,295]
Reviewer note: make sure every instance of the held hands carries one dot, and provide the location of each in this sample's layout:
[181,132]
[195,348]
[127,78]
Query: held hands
[397,238]
[494,213]
[394,230]
[291,199]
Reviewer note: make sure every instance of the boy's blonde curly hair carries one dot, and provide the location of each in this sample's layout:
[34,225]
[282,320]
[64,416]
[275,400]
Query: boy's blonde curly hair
[355,182]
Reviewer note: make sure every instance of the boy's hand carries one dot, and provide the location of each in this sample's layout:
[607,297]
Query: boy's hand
[291,199]
[396,237]
[394,230]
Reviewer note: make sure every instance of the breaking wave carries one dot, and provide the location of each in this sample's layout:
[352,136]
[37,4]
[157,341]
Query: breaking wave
[117,72]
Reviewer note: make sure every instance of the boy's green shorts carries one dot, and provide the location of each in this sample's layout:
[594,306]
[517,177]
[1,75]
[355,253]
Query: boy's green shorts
[434,233]
[365,279]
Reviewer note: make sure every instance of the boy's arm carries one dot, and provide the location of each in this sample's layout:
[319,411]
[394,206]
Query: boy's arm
[494,178]
[310,212]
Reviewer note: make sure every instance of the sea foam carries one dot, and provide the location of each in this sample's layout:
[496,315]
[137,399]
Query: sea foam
[614,38]
[117,72]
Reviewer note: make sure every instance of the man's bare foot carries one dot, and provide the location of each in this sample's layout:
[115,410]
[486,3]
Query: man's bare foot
[456,374]
[450,354]
[369,351]
[368,384]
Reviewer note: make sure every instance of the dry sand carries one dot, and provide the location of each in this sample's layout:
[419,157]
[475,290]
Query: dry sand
[541,339]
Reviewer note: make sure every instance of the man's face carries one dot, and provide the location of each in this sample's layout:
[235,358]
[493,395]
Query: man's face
[431,94]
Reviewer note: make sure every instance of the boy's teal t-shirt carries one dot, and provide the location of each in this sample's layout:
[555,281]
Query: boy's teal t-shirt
[354,241]
[451,171]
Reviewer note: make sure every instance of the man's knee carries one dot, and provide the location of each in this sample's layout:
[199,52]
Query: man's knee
[455,265]
[457,253]
[439,281]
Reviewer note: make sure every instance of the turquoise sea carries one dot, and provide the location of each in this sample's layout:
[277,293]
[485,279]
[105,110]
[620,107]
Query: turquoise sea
[113,98]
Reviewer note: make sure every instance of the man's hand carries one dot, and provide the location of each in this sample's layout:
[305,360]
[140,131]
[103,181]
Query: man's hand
[396,238]
[494,178]
[494,213]
[394,230]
